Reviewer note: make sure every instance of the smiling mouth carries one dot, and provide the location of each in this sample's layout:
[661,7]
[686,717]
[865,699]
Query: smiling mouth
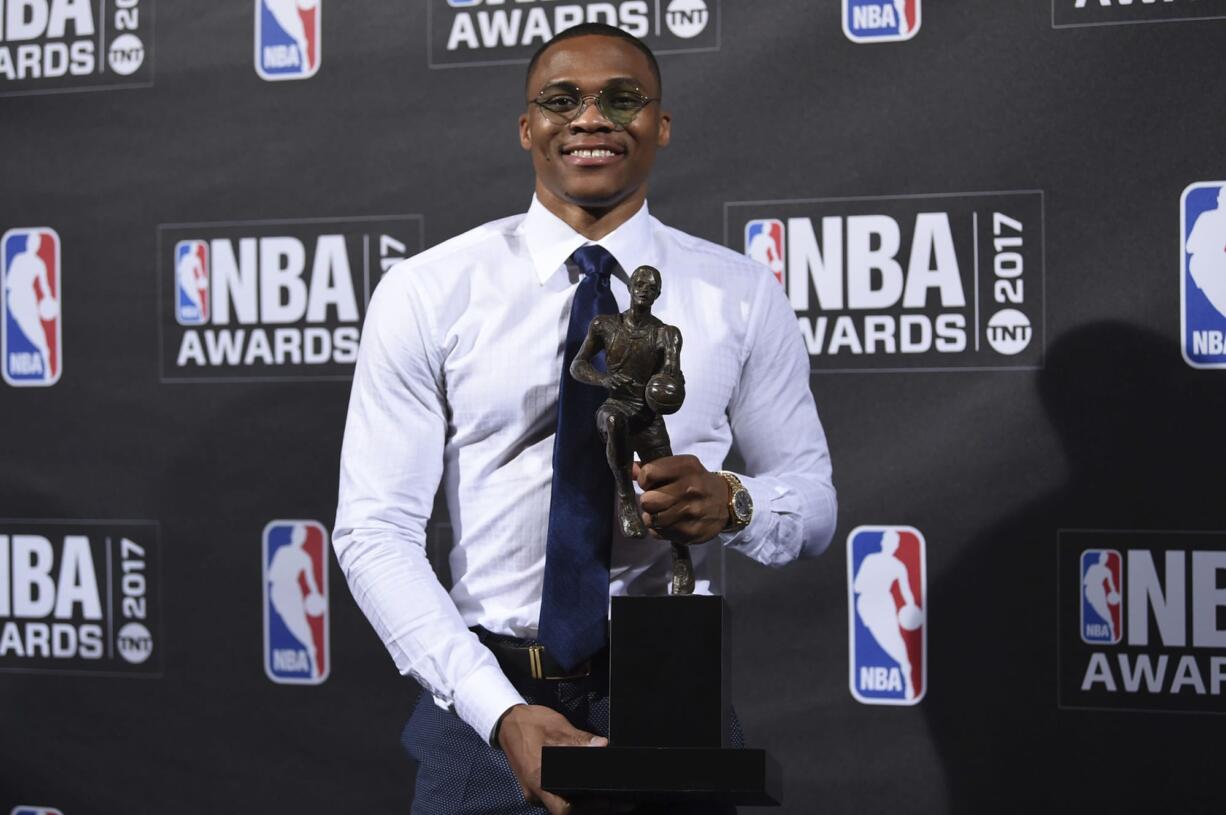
[592,156]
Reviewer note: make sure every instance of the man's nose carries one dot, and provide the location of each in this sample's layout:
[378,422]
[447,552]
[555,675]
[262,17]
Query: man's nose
[591,117]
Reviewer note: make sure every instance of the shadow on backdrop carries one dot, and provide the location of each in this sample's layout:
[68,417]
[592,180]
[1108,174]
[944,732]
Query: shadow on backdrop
[1144,436]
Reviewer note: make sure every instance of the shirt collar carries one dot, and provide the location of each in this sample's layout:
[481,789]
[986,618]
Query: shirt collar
[550,240]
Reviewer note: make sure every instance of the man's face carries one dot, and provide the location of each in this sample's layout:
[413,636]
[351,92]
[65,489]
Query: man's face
[590,161]
[644,288]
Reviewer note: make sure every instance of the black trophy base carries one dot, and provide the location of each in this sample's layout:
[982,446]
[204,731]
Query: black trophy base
[668,715]
[738,777]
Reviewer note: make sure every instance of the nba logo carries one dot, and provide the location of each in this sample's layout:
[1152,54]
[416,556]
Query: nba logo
[1202,276]
[30,340]
[287,38]
[192,282]
[23,809]
[764,243]
[296,602]
[886,593]
[1102,608]
[881,20]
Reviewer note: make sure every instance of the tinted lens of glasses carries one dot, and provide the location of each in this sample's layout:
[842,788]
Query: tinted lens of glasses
[619,104]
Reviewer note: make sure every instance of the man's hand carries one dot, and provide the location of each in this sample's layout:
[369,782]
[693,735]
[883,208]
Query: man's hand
[682,500]
[525,729]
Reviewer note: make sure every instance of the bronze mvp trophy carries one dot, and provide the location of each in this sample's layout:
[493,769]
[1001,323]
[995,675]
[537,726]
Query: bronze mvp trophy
[669,657]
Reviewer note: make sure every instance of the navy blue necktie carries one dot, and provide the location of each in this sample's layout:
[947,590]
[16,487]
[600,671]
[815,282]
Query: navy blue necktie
[575,599]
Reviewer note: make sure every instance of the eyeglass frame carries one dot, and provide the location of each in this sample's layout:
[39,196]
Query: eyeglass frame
[583,103]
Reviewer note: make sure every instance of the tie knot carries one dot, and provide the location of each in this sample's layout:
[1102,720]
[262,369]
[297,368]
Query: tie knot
[594,261]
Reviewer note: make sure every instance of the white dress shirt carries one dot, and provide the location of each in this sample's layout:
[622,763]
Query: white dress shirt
[457,379]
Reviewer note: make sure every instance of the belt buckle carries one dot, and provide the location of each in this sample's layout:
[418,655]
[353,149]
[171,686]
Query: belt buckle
[537,669]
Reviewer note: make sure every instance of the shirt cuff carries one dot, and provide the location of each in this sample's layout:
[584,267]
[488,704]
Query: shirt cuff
[765,539]
[482,698]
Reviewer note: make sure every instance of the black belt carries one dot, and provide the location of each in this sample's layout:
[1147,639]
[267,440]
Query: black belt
[520,658]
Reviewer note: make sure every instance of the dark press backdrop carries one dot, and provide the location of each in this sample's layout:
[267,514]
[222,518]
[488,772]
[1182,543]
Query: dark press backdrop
[1001,228]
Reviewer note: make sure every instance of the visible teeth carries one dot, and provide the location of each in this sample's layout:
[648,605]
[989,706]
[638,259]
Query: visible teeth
[599,153]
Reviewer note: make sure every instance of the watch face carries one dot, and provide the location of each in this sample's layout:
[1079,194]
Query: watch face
[742,505]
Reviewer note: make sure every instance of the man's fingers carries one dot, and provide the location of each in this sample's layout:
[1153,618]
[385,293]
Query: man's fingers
[581,738]
[671,516]
[686,534]
[668,469]
[656,501]
[555,804]
[567,736]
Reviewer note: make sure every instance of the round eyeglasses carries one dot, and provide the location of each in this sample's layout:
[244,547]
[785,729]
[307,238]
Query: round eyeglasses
[562,104]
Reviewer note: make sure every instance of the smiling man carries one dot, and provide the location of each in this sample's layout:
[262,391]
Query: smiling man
[462,380]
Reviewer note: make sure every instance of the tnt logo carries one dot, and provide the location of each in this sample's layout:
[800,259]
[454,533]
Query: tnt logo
[887,585]
[686,18]
[764,242]
[24,809]
[192,282]
[881,20]
[1203,274]
[296,603]
[287,39]
[30,337]
[1101,606]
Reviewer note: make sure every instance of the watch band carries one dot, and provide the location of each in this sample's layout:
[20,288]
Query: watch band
[735,522]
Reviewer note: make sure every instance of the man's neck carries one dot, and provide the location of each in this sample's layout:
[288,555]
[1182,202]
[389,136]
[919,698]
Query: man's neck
[592,223]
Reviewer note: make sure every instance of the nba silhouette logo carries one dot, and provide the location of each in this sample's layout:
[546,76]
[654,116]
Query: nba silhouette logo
[287,39]
[1202,278]
[888,609]
[191,282]
[764,243]
[881,20]
[24,809]
[1102,605]
[30,338]
[296,602]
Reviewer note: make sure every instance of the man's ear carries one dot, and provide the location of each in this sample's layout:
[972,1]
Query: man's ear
[525,132]
[665,130]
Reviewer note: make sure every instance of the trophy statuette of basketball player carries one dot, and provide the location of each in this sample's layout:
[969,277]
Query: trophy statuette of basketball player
[661,651]
[644,380]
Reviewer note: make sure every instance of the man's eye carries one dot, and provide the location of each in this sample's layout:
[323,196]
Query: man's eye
[626,101]
[560,103]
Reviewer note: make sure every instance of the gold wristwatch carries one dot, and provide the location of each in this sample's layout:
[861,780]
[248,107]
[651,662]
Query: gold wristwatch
[740,503]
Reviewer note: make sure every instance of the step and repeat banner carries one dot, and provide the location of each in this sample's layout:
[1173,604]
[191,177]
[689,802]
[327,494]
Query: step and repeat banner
[1002,229]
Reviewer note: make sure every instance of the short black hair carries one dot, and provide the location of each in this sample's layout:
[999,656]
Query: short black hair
[598,30]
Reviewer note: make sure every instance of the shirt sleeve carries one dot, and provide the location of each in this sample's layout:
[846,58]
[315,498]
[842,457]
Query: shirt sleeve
[779,436]
[391,463]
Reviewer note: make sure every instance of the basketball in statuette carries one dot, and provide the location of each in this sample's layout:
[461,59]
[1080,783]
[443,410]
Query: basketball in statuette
[665,394]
